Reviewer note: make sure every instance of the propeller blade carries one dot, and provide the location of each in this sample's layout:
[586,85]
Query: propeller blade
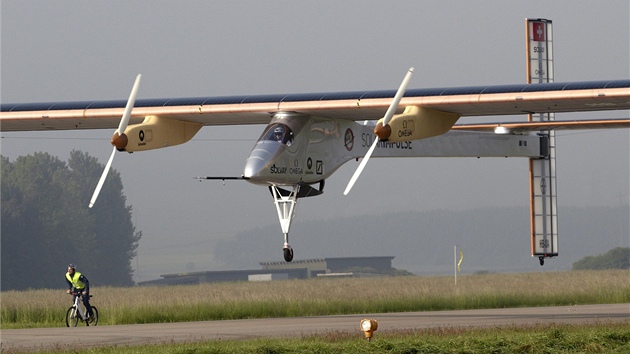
[386,118]
[130,102]
[399,94]
[124,121]
[356,174]
[102,180]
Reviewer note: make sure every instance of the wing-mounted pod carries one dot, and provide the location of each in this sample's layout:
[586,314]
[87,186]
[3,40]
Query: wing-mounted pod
[157,132]
[416,123]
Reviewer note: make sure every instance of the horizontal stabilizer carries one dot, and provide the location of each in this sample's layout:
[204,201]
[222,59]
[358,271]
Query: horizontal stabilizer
[523,127]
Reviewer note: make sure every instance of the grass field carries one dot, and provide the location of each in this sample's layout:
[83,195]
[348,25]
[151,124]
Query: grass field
[313,297]
[46,308]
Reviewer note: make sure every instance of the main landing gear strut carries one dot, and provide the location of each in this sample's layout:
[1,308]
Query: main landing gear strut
[285,202]
[285,205]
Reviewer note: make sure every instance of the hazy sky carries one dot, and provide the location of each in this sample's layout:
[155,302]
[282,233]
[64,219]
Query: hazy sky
[78,50]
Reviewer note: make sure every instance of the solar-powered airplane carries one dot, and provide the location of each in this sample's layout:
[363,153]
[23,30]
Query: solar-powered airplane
[307,137]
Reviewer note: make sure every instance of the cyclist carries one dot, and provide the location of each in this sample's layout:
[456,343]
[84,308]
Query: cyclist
[79,285]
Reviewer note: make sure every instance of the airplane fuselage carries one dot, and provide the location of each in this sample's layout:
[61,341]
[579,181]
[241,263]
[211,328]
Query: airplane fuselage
[298,149]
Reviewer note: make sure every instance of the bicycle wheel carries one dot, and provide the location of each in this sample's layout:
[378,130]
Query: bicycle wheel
[72,319]
[95,314]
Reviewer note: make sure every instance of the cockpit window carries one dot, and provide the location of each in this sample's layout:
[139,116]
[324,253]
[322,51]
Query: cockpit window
[280,133]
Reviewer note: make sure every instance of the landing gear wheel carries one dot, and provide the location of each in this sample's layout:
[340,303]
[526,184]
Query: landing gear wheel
[542,260]
[288,254]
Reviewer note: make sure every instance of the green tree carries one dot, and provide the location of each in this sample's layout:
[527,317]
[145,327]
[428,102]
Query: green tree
[617,258]
[112,227]
[46,223]
[21,240]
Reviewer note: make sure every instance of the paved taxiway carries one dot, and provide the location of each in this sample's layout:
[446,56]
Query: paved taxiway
[47,338]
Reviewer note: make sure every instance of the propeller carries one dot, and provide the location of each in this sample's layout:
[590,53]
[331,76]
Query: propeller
[119,139]
[382,131]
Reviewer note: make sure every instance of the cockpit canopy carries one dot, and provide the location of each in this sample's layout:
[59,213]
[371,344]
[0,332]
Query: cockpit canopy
[279,132]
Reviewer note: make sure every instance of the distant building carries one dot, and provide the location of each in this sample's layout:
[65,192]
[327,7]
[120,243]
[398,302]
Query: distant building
[320,266]
[298,269]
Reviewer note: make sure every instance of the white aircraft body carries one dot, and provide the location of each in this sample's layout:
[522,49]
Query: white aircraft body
[309,136]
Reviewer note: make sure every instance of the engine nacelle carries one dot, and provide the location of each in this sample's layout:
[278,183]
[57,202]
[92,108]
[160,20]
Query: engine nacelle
[419,123]
[157,132]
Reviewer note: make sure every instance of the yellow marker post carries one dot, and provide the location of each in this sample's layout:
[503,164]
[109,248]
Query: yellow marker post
[368,326]
[456,264]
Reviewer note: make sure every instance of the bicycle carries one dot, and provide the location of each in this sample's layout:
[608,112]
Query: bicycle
[78,312]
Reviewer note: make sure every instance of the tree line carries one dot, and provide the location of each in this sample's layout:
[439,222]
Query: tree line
[616,258]
[46,223]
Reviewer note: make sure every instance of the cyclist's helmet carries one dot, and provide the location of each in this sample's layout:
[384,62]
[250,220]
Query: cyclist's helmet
[71,265]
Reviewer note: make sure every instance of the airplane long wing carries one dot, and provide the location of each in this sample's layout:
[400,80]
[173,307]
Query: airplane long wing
[359,105]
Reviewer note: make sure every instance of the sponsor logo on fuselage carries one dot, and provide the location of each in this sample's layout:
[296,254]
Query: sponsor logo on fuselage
[349,139]
[368,139]
[283,170]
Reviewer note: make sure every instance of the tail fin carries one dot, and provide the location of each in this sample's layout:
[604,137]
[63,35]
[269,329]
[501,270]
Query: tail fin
[543,201]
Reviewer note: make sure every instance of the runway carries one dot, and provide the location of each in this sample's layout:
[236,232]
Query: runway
[79,337]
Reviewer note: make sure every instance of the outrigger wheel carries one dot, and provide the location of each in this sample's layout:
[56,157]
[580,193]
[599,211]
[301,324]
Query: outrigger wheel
[288,253]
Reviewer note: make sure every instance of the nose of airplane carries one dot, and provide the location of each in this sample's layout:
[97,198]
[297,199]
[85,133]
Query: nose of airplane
[259,160]
[253,166]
